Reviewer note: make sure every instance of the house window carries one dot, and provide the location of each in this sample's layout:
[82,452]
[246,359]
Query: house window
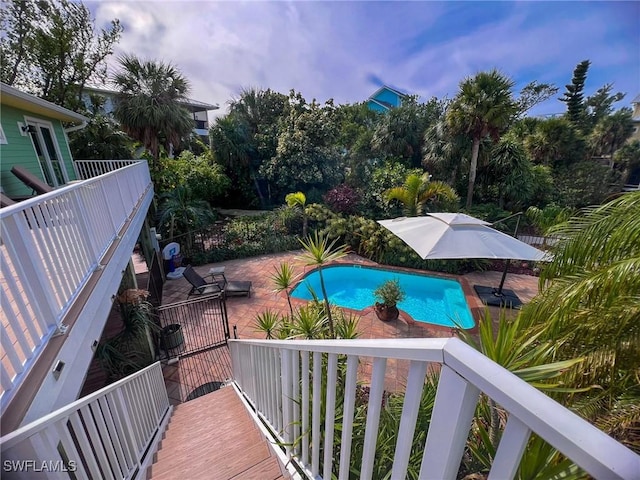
[3,138]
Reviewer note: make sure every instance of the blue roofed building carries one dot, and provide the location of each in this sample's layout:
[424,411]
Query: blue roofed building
[385,98]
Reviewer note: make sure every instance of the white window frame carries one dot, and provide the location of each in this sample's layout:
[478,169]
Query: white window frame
[34,121]
[3,137]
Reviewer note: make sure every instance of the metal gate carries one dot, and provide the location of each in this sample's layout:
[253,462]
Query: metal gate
[193,326]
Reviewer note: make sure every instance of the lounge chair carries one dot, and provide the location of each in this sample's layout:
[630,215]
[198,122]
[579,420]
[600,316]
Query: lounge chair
[5,201]
[217,284]
[30,180]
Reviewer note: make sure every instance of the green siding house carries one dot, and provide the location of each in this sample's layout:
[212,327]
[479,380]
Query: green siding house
[33,136]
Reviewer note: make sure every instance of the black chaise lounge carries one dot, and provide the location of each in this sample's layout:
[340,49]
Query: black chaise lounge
[5,201]
[217,284]
[30,180]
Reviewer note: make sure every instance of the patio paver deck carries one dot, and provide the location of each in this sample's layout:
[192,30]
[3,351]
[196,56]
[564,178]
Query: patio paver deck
[243,310]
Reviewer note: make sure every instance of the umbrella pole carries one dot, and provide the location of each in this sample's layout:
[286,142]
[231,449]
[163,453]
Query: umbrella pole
[498,292]
[504,276]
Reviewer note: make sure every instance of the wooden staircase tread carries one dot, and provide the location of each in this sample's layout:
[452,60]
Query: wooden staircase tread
[214,436]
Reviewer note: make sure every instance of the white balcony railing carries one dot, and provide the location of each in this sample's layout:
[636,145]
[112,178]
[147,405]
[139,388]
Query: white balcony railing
[50,246]
[86,169]
[282,381]
[108,434]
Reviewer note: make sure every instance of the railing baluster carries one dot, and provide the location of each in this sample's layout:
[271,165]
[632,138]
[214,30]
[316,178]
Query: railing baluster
[69,447]
[449,428]
[347,417]
[85,445]
[412,397]
[112,435]
[315,419]
[374,408]
[512,444]
[10,351]
[330,414]
[295,400]
[98,448]
[287,400]
[20,245]
[305,407]
[277,400]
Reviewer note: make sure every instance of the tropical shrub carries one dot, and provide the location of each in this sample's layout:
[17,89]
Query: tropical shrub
[368,239]
[180,212]
[586,183]
[517,346]
[590,306]
[390,174]
[418,194]
[205,179]
[342,199]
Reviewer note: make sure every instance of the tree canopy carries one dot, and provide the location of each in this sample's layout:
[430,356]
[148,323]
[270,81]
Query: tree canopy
[148,106]
[52,49]
[483,107]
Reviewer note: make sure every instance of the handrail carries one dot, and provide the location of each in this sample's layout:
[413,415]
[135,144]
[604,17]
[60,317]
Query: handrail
[288,403]
[50,246]
[108,434]
[92,168]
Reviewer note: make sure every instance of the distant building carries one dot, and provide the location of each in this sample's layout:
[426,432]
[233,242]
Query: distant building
[385,98]
[199,110]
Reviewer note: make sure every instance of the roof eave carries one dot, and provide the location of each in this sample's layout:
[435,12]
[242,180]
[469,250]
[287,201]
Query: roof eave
[15,98]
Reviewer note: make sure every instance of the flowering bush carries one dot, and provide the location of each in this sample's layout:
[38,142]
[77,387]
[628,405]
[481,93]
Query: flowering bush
[342,199]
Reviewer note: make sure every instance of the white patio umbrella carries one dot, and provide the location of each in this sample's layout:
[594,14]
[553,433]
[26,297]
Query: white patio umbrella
[458,236]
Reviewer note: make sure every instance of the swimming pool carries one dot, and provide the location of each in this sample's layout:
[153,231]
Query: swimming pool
[428,299]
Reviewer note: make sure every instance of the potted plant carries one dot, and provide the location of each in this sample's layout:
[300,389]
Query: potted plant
[171,336]
[132,348]
[389,293]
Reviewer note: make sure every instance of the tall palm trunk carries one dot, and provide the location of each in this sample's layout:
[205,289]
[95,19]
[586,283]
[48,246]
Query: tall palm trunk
[475,149]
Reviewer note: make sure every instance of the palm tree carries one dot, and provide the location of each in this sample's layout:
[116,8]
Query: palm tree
[444,152]
[319,252]
[299,200]
[483,107]
[180,213]
[511,171]
[589,298]
[611,132]
[148,107]
[418,190]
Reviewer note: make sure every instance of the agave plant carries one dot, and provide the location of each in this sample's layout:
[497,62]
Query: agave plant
[309,323]
[282,279]
[268,322]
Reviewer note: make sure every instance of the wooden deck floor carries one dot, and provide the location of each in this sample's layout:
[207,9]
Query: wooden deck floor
[214,437]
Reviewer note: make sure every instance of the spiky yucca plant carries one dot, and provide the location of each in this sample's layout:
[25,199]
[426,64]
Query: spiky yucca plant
[318,252]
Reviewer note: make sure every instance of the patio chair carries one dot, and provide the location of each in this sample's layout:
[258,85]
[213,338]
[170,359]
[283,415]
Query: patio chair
[30,180]
[5,201]
[217,284]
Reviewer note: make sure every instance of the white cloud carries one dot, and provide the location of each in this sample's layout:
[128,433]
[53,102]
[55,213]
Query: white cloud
[334,50]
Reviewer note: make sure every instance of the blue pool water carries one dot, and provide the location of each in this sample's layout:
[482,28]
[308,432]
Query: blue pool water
[428,299]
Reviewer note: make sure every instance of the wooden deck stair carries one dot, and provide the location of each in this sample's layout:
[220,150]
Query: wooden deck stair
[214,437]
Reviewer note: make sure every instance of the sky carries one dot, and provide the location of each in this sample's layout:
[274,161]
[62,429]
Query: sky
[347,50]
